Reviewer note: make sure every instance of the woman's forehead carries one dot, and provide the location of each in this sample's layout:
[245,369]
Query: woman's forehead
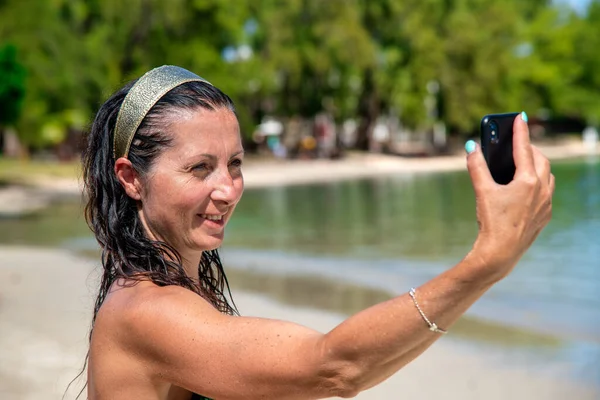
[204,131]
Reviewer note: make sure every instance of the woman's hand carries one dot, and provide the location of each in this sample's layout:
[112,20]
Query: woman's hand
[511,216]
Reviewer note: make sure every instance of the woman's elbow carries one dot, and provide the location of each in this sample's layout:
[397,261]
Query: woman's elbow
[345,380]
[348,392]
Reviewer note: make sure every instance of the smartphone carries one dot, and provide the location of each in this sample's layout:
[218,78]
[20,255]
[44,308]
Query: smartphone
[497,145]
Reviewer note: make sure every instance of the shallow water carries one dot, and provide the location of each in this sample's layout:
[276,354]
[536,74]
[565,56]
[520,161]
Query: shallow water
[391,233]
[420,225]
[396,232]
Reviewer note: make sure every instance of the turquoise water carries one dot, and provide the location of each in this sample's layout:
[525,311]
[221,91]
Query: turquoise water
[420,225]
[396,232]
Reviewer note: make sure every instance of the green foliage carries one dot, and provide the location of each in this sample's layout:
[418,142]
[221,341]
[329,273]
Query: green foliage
[587,82]
[12,85]
[353,58]
[311,54]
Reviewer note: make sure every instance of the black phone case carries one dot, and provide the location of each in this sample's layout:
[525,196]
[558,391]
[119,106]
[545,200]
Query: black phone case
[498,149]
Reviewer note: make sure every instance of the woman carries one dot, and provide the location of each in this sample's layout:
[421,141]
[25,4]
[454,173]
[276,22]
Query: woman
[163,175]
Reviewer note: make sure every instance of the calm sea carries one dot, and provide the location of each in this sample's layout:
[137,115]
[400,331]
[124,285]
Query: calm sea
[396,232]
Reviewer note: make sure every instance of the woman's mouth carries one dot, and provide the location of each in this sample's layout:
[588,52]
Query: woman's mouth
[213,220]
[212,217]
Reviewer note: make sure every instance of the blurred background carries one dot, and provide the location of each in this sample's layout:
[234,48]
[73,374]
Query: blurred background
[354,114]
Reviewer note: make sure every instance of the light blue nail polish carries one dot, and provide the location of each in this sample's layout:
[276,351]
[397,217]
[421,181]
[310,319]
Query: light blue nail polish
[470,146]
[524,116]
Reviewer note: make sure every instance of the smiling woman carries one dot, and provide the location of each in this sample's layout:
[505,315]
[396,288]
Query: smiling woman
[162,173]
[159,201]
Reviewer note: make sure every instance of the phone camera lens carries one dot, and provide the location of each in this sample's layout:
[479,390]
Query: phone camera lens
[493,131]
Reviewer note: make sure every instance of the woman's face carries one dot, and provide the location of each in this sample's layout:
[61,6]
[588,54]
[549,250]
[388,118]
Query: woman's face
[193,187]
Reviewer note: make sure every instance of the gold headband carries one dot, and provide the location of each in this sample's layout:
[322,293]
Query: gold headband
[142,96]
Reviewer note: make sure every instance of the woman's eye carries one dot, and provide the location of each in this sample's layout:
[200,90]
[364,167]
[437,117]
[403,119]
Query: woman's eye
[200,167]
[236,163]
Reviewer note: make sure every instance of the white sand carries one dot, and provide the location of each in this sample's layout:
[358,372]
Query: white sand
[362,165]
[45,310]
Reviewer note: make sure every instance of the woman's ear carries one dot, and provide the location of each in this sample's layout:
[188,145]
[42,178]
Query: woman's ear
[129,178]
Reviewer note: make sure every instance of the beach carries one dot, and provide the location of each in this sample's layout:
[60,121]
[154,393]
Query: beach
[364,165]
[46,300]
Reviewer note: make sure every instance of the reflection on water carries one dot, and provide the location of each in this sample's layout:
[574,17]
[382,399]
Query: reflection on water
[421,216]
[367,218]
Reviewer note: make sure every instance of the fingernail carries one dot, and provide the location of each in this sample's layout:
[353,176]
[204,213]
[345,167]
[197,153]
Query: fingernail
[470,146]
[524,116]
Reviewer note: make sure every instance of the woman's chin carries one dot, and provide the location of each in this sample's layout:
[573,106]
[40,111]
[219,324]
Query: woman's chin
[210,243]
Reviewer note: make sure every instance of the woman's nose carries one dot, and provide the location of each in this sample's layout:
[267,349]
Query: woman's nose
[224,188]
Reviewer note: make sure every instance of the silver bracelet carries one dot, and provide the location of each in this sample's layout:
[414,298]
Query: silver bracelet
[432,326]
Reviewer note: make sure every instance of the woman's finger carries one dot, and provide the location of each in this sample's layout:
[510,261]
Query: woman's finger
[542,165]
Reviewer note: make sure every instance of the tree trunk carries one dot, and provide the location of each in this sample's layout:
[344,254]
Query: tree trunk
[11,145]
[368,111]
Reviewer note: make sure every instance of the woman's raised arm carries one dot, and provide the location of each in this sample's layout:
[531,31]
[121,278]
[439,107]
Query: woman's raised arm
[181,339]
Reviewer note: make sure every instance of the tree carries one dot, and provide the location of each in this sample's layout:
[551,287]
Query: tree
[353,58]
[78,52]
[585,49]
[312,52]
[12,86]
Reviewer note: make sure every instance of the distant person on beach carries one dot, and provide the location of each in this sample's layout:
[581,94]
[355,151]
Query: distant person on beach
[163,175]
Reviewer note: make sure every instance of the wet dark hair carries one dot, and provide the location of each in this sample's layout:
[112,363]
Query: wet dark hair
[113,216]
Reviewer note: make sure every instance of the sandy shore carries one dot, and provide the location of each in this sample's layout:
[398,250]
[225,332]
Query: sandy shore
[363,165]
[45,309]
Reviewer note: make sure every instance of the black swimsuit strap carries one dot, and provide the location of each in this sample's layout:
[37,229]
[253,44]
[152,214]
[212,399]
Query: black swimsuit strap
[198,397]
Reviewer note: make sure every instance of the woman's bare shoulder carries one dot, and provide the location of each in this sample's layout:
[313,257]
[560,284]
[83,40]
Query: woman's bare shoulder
[133,307]
[131,316]
[136,314]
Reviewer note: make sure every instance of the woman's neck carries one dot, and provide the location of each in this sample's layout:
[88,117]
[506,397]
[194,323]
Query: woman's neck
[190,265]
[190,260]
